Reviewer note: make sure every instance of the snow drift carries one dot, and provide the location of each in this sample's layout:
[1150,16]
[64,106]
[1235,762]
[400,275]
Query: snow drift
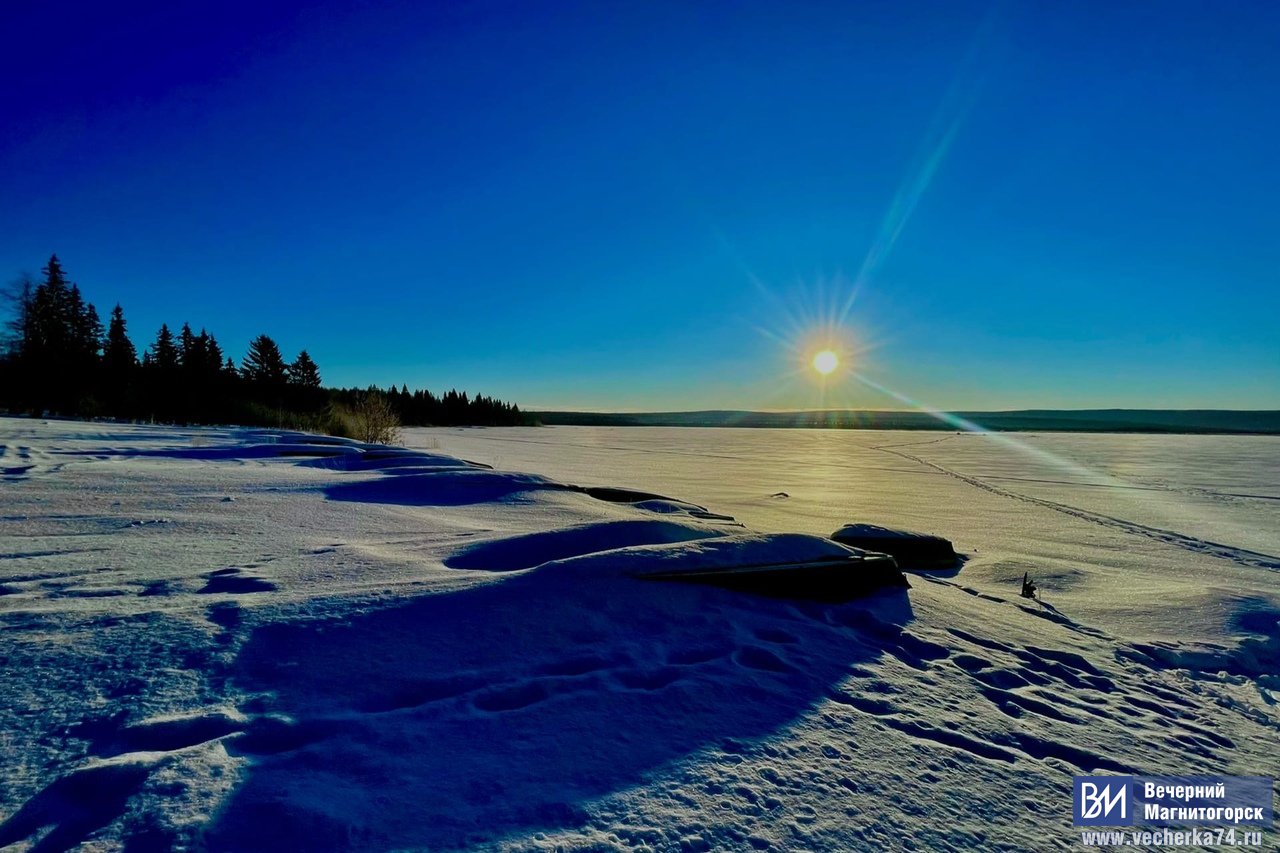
[244,642]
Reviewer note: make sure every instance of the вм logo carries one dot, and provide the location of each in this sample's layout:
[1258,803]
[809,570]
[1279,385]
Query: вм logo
[1097,803]
[1101,801]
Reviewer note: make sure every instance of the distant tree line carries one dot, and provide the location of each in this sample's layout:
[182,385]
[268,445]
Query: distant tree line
[421,407]
[59,359]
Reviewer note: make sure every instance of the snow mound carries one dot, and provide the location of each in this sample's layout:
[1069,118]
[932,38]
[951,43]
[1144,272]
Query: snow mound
[532,549]
[781,565]
[407,462]
[706,554]
[268,450]
[508,707]
[1255,655]
[443,488]
[614,494]
[667,506]
[912,550]
[288,436]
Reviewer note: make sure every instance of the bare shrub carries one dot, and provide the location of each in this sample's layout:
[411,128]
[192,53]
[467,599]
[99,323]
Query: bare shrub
[373,420]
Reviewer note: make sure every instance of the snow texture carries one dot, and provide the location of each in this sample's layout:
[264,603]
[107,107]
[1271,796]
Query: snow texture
[245,640]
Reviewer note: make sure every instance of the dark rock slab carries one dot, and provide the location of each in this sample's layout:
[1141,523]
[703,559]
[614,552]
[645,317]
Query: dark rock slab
[912,550]
[833,580]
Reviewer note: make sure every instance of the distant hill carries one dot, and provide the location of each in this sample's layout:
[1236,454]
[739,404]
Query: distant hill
[1030,420]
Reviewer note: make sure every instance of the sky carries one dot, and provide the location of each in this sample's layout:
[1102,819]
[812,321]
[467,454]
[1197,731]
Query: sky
[666,205]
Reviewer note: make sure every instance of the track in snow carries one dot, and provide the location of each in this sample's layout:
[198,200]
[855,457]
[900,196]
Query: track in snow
[1241,556]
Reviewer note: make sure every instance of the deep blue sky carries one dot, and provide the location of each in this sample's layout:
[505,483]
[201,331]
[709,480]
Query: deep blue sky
[644,205]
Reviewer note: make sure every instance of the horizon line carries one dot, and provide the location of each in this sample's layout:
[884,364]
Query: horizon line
[792,411]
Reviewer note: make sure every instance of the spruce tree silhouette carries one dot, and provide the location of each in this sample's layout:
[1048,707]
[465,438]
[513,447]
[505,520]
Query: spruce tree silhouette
[188,355]
[264,364]
[164,352]
[119,357]
[85,330]
[303,372]
[56,358]
[162,379]
[211,355]
[119,365]
[62,341]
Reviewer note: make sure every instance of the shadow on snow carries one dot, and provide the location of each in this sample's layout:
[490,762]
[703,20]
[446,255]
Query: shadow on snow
[468,716]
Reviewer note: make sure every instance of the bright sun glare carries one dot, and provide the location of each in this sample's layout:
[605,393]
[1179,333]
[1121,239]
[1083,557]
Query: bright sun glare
[825,362]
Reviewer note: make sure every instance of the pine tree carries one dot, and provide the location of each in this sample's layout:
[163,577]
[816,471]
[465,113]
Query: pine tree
[303,372]
[164,352]
[91,333]
[50,320]
[84,329]
[53,273]
[264,364]
[187,354]
[60,349]
[212,353]
[119,366]
[119,356]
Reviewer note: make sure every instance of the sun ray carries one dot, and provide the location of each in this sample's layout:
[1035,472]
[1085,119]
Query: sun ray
[1006,439]
[936,143]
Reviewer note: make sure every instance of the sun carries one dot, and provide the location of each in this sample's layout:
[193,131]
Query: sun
[825,362]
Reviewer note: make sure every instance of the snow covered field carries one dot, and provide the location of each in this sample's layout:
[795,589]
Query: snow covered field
[231,640]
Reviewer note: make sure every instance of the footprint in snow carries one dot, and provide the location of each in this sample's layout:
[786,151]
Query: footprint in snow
[234,582]
[755,657]
[76,805]
[169,734]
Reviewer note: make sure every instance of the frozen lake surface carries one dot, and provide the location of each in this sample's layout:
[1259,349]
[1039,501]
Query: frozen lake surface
[238,640]
[1125,526]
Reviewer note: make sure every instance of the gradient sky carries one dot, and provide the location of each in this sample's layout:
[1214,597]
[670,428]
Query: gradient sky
[650,205]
